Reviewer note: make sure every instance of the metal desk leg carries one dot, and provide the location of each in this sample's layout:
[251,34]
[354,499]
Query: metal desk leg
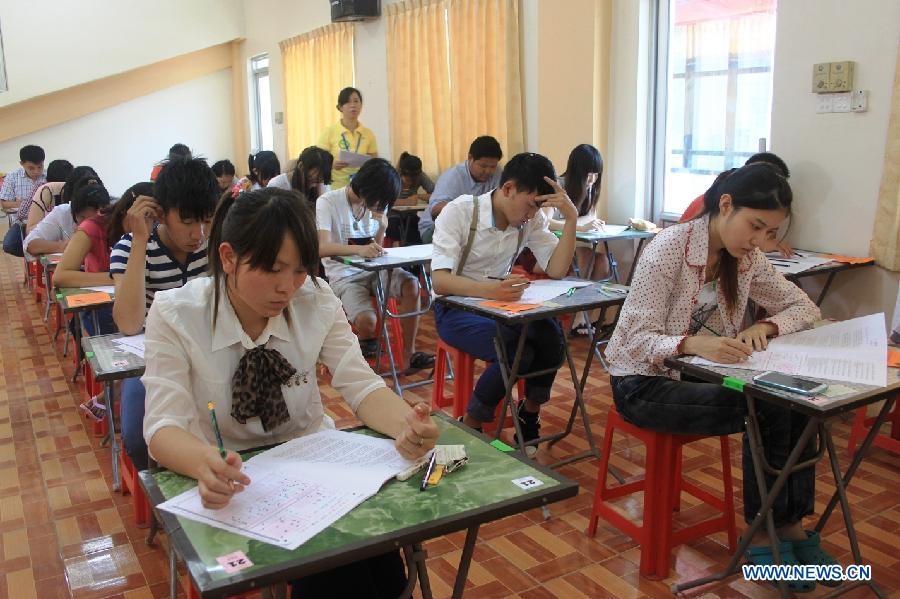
[113,442]
[173,572]
[578,405]
[76,339]
[637,255]
[767,498]
[613,265]
[509,380]
[822,293]
[464,561]
[381,300]
[416,570]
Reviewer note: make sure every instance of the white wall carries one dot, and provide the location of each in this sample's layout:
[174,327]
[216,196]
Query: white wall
[124,142]
[836,159]
[54,44]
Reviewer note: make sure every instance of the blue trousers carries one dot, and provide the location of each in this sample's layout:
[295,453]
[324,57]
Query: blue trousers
[696,408]
[104,319]
[131,413]
[475,334]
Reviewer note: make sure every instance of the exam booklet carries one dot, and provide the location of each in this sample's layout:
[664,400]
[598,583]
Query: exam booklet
[299,488]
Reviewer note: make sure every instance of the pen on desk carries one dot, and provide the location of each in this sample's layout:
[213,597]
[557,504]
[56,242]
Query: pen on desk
[429,470]
[523,284]
[215,425]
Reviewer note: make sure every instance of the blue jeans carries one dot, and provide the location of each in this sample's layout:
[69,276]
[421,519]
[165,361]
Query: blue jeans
[696,408]
[475,334]
[131,413]
[104,319]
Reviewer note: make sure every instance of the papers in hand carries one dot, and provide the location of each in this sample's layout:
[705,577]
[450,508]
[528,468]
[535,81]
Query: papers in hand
[299,488]
[352,159]
[853,350]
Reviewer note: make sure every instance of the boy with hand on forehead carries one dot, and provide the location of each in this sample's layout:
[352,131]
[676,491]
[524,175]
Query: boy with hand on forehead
[476,241]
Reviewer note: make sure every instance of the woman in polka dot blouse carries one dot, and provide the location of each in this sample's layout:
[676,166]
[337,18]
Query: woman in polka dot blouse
[689,296]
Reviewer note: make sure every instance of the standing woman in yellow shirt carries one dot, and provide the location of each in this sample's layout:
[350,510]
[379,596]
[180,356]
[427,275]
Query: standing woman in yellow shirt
[347,134]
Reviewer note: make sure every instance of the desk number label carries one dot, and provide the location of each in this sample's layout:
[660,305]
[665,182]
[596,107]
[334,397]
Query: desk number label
[527,482]
[234,562]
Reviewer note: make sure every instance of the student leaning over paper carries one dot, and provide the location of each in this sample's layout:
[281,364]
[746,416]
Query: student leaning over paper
[689,296]
[248,338]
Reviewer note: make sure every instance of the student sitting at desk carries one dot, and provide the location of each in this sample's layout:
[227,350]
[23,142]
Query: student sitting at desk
[47,195]
[165,248]
[311,175]
[19,185]
[771,245]
[412,179]
[248,339]
[476,241]
[43,202]
[689,296]
[224,172]
[53,233]
[351,221]
[477,175]
[264,166]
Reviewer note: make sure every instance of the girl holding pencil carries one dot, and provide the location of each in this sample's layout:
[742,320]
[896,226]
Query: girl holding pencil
[248,338]
[689,296]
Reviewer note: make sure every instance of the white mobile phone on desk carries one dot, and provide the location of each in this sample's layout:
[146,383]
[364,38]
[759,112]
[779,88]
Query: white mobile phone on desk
[788,382]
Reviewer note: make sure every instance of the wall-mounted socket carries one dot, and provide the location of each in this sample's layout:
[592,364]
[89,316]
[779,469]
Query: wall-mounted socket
[820,77]
[859,101]
[841,102]
[831,77]
[824,103]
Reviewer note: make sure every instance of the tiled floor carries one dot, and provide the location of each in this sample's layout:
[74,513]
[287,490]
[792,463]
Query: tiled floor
[64,533]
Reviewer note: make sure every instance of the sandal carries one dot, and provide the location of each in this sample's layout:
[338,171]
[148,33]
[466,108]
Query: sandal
[761,555]
[810,552]
[94,409]
[419,361]
[583,329]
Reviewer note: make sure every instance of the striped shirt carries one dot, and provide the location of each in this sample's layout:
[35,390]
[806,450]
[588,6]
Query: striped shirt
[17,186]
[162,271]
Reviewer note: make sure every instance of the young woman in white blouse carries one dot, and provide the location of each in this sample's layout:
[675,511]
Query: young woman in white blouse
[689,296]
[248,338]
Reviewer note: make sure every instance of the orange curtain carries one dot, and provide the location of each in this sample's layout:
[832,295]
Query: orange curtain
[419,82]
[317,65]
[485,79]
[885,244]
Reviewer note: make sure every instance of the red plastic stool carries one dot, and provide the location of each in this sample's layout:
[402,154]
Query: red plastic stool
[463,383]
[862,424]
[131,483]
[395,333]
[662,485]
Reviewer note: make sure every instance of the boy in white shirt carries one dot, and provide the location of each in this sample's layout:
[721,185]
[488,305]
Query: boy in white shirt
[469,258]
[351,221]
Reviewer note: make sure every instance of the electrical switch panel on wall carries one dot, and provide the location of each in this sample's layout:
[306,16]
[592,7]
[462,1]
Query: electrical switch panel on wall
[833,82]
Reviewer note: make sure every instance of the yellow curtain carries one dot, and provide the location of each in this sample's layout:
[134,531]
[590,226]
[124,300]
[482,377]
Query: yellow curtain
[485,78]
[419,82]
[317,65]
[886,235]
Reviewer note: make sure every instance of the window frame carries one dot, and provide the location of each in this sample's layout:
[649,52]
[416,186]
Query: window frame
[255,74]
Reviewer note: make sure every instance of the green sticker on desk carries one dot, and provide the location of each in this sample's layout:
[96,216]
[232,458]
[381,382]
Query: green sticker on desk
[498,444]
[733,383]
[346,261]
[89,354]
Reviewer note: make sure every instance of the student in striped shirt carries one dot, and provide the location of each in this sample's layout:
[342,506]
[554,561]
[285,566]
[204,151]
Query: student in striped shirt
[165,249]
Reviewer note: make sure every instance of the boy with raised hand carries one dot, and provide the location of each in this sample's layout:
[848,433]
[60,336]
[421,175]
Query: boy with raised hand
[165,249]
[476,241]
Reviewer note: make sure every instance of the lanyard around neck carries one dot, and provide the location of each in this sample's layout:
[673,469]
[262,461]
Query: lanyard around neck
[346,145]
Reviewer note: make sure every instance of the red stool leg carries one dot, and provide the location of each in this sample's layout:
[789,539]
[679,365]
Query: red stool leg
[857,432]
[440,373]
[600,490]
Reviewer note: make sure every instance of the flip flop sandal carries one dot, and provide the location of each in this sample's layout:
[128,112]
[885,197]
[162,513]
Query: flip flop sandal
[419,361]
[761,555]
[583,330]
[93,409]
[809,551]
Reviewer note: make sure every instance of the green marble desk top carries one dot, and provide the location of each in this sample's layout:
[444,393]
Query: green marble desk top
[463,498]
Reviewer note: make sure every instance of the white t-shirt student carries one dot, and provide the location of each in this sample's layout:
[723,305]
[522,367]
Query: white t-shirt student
[59,225]
[493,251]
[333,214]
[190,363]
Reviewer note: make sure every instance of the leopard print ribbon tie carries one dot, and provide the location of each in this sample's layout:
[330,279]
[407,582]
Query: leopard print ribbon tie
[256,387]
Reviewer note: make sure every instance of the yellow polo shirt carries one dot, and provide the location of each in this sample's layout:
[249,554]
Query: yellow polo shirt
[336,137]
